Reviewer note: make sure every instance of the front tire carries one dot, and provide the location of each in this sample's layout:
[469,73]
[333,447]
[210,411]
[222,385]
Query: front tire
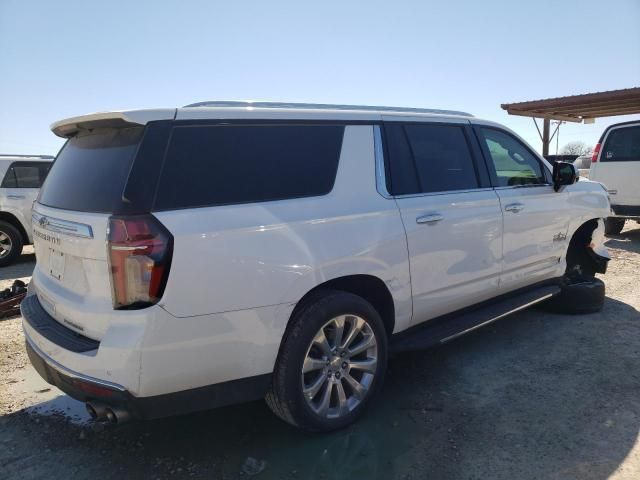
[10,243]
[613,225]
[331,363]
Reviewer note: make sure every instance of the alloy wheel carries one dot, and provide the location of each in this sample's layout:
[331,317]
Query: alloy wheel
[5,244]
[340,366]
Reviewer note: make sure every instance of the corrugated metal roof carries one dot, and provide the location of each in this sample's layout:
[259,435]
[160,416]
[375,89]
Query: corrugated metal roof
[575,108]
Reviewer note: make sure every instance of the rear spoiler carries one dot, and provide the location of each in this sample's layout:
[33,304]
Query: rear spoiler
[71,126]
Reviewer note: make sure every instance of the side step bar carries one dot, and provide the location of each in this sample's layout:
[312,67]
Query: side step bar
[449,327]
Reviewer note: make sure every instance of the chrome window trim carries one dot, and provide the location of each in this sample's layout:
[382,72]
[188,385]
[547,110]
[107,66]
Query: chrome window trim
[446,192]
[513,187]
[58,225]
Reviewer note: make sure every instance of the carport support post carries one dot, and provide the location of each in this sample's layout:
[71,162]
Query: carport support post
[545,137]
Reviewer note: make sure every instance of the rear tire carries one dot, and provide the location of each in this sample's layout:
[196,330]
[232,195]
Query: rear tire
[10,243]
[613,225]
[322,338]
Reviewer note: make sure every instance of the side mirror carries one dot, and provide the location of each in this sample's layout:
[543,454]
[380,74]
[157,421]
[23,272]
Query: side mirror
[564,174]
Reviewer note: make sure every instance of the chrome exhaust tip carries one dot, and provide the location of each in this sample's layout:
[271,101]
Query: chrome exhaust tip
[96,411]
[117,416]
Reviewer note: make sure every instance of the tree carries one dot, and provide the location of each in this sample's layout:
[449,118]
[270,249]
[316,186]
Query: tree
[576,148]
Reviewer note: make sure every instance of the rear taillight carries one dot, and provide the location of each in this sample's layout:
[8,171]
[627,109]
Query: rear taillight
[140,250]
[596,152]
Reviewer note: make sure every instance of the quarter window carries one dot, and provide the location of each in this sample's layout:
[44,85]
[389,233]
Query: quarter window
[26,175]
[513,163]
[229,164]
[429,158]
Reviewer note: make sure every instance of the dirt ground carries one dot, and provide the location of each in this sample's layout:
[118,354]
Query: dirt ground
[535,396]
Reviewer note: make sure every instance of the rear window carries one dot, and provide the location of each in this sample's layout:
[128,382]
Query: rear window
[90,172]
[25,175]
[622,145]
[229,164]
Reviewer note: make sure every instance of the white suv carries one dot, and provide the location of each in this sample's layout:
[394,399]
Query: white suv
[22,177]
[223,252]
[616,164]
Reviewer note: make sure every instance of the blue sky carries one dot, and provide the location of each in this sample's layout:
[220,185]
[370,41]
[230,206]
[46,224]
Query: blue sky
[59,59]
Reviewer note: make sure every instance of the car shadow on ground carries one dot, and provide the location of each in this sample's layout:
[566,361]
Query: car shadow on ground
[22,267]
[628,240]
[537,395]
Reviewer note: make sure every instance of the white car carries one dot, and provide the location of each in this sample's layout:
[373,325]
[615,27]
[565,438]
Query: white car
[616,164]
[583,165]
[223,252]
[22,177]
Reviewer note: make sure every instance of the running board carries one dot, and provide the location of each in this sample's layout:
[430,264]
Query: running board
[449,327]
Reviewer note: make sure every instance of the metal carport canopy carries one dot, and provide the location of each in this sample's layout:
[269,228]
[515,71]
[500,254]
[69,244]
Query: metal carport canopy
[577,108]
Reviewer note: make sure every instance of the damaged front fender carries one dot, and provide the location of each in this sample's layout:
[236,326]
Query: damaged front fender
[597,250]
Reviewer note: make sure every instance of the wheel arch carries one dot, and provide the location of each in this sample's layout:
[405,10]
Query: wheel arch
[580,245]
[371,288]
[583,231]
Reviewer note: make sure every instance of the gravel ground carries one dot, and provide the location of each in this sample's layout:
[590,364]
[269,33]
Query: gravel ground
[536,396]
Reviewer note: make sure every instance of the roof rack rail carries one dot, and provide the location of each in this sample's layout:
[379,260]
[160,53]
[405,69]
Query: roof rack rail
[323,106]
[46,157]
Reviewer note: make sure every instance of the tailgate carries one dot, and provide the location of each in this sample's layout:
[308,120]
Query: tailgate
[71,277]
[69,221]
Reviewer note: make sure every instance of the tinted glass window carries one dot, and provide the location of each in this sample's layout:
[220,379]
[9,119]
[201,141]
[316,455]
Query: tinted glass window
[513,162]
[26,175]
[403,178]
[226,164]
[429,158]
[90,171]
[622,145]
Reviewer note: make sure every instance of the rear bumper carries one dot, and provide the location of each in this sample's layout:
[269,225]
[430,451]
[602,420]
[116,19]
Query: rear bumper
[80,366]
[84,388]
[76,385]
[625,211]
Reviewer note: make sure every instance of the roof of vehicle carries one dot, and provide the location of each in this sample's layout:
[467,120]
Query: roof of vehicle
[616,125]
[255,110]
[26,158]
[324,107]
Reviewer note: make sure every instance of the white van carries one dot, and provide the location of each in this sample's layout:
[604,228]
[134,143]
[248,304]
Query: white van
[616,164]
[223,252]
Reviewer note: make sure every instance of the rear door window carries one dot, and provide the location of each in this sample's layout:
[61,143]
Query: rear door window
[209,165]
[90,172]
[429,158]
[622,145]
[25,175]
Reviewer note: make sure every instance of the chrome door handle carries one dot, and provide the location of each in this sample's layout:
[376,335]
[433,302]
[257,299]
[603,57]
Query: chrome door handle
[429,218]
[15,197]
[513,207]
